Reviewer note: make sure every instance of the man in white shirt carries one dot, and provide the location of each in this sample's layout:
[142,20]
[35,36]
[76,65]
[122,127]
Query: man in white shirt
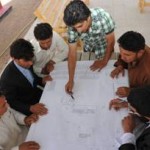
[50,48]
[13,128]
[139,104]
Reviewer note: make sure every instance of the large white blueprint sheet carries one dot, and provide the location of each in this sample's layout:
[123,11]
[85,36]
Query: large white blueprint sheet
[85,123]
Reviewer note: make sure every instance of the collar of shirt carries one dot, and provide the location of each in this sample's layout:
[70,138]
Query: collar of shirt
[21,69]
[38,48]
[26,72]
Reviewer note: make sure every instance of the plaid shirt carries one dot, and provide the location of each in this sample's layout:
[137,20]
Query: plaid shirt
[95,38]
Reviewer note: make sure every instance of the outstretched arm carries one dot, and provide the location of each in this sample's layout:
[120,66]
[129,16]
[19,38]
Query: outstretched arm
[72,57]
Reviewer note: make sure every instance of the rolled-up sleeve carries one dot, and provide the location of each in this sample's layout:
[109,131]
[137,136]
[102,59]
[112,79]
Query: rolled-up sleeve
[107,22]
[72,35]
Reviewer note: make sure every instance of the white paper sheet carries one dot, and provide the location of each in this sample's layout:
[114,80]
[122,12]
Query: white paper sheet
[85,123]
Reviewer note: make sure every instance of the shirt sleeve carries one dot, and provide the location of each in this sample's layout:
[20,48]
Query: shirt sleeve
[19,117]
[36,67]
[37,49]
[125,139]
[107,22]
[72,35]
[62,48]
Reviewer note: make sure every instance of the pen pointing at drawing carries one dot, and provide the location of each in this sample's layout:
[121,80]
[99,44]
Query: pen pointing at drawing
[69,87]
[71,94]
[69,91]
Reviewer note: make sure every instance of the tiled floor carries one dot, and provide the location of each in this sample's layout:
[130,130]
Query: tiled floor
[127,16]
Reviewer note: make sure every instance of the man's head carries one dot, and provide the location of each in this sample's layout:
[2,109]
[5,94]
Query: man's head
[77,15]
[43,33]
[3,104]
[139,100]
[22,53]
[131,46]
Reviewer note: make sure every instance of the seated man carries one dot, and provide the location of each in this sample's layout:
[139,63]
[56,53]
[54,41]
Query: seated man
[50,48]
[134,56]
[139,102]
[12,128]
[20,82]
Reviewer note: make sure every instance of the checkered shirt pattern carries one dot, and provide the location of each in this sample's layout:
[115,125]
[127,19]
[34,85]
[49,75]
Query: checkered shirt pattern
[95,39]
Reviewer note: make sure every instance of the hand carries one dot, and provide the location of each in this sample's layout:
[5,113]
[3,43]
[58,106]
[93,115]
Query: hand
[117,71]
[69,87]
[46,78]
[118,104]
[128,124]
[31,145]
[31,119]
[98,65]
[39,109]
[49,67]
[123,91]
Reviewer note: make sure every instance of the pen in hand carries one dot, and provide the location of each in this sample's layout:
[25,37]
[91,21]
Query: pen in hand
[71,94]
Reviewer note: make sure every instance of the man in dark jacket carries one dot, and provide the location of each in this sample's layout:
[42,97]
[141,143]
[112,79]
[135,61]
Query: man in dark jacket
[20,82]
[139,104]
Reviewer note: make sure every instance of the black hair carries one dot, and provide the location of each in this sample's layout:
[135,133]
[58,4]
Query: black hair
[22,49]
[43,31]
[75,12]
[2,93]
[132,41]
[139,98]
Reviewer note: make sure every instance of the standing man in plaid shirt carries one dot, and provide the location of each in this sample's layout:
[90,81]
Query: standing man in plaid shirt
[95,27]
